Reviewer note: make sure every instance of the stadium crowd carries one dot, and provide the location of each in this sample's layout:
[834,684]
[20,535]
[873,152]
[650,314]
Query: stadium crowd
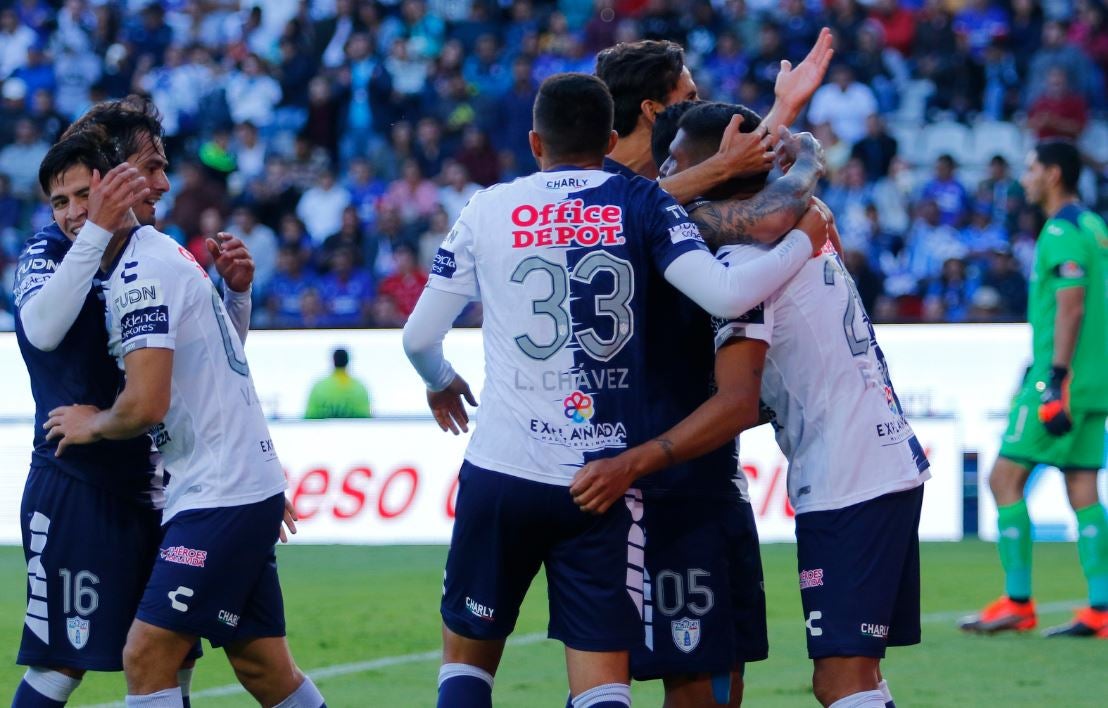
[340,138]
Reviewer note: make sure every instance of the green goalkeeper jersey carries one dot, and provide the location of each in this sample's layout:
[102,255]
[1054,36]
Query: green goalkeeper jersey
[1073,251]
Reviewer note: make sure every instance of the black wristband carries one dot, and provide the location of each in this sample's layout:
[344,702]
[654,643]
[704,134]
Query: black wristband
[1058,374]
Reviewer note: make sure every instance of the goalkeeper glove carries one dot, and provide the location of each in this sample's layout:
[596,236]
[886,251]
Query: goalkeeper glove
[1054,403]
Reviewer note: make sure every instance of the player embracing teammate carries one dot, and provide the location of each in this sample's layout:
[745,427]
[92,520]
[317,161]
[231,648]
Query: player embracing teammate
[187,383]
[567,322]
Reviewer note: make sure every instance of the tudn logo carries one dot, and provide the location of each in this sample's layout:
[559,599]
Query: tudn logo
[578,407]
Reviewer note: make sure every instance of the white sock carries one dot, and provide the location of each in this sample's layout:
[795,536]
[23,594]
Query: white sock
[883,687]
[184,680]
[306,696]
[52,684]
[167,698]
[608,693]
[449,671]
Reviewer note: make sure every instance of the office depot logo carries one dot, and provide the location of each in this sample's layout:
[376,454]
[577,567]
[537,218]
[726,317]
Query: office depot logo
[568,223]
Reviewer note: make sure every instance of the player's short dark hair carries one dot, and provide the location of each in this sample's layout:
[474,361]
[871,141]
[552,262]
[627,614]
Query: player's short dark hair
[573,115]
[341,358]
[665,130]
[704,125]
[637,71]
[1065,156]
[126,121]
[90,148]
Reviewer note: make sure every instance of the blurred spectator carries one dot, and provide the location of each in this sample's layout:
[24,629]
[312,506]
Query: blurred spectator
[457,190]
[1056,52]
[321,206]
[196,193]
[898,24]
[982,235]
[1026,31]
[928,245]
[1090,32]
[479,158]
[339,395]
[252,93]
[944,189]
[365,190]
[15,40]
[210,224]
[51,123]
[364,90]
[513,113]
[950,296]
[405,285]
[1058,112]
[844,104]
[11,212]
[1005,279]
[20,160]
[1001,193]
[260,241]
[249,151]
[149,34]
[391,232]
[347,292]
[432,238]
[848,195]
[37,72]
[412,195]
[981,22]
[286,289]
[429,152]
[1002,82]
[876,150]
[799,29]
[349,238]
[866,279]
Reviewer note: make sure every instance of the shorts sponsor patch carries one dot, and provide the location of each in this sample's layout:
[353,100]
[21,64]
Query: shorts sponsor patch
[877,631]
[143,322]
[811,578]
[444,264]
[184,556]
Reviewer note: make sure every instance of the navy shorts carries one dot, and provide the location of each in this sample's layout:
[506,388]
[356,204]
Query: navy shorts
[216,574]
[505,528]
[859,575]
[89,555]
[706,608]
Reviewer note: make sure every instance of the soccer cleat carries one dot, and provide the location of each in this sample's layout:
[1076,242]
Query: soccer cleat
[1001,615]
[1086,623]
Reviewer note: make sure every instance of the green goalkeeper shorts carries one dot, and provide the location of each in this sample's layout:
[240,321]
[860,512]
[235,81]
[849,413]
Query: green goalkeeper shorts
[1026,440]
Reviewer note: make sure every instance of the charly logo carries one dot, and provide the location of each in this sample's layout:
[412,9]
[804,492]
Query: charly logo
[578,407]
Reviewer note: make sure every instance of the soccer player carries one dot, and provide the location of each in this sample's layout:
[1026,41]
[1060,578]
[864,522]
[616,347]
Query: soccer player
[187,380]
[648,76]
[1058,414]
[703,563]
[91,521]
[856,470]
[560,260]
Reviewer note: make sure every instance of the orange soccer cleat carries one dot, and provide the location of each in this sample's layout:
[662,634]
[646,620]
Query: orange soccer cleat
[1000,616]
[1087,622]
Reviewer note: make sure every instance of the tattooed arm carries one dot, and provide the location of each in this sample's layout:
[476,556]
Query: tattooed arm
[768,214]
[733,408]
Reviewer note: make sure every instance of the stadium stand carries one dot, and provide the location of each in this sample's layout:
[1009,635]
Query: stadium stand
[282,115]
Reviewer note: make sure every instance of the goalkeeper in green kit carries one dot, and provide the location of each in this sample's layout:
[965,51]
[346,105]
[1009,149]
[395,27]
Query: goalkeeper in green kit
[1058,415]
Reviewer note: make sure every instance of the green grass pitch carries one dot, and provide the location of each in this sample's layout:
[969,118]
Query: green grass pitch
[370,614]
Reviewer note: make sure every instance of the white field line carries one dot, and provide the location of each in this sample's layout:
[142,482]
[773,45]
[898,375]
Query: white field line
[385,662]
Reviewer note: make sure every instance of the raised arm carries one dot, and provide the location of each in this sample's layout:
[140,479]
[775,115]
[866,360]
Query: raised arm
[771,212]
[235,265]
[794,86]
[50,300]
